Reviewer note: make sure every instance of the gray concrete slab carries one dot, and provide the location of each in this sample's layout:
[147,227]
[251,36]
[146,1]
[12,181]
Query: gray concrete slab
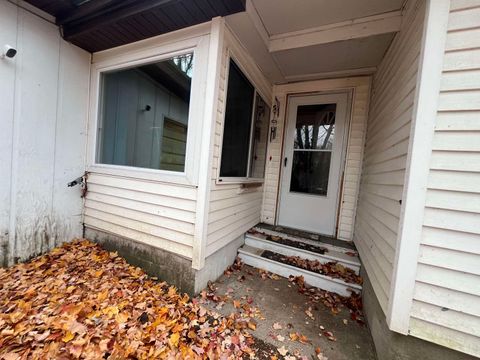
[279,301]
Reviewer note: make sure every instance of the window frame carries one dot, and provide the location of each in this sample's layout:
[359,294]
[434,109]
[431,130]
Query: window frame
[198,46]
[242,179]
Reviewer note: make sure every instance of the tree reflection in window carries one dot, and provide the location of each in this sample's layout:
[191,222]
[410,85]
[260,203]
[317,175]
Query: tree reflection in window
[313,145]
[184,63]
[315,128]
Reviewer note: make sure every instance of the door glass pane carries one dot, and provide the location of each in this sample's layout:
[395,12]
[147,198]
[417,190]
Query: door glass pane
[310,171]
[315,127]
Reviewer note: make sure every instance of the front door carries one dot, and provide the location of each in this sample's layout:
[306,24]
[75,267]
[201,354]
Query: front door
[312,164]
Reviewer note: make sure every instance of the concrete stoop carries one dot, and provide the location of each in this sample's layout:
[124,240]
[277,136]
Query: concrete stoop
[257,241]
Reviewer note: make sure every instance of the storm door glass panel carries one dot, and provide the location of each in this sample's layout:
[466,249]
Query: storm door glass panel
[312,149]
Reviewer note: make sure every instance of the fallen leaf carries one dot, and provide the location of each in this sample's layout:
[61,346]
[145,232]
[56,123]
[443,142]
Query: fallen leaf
[282,351]
[68,337]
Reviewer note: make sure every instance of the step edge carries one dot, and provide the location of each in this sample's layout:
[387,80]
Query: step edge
[300,238]
[353,263]
[311,273]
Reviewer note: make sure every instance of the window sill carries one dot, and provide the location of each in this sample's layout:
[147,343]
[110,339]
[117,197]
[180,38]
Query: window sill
[160,176]
[244,182]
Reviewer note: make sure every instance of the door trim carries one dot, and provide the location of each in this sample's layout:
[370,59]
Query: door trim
[350,99]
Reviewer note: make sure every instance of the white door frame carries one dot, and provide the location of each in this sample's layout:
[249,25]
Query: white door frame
[346,135]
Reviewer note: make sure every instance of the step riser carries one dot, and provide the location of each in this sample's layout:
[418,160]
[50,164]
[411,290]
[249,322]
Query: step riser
[291,251]
[312,279]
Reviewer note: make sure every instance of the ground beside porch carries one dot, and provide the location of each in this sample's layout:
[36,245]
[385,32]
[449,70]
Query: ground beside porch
[293,317]
[79,301]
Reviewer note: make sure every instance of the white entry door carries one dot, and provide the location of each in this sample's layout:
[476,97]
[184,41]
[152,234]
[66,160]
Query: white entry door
[312,164]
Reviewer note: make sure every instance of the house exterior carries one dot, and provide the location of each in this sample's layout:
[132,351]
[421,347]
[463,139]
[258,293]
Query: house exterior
[182,157]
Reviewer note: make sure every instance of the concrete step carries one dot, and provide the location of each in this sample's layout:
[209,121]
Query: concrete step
[253,256]
[314,242]
[260,241]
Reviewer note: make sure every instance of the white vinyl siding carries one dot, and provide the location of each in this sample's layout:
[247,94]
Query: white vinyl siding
[150,206]
[355,144]
[232,209]
[446,305]
[158,214]
[385,154]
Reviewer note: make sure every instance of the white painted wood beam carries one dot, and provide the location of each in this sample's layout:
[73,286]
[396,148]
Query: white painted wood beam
[346,30]
[332,74]
[257,22]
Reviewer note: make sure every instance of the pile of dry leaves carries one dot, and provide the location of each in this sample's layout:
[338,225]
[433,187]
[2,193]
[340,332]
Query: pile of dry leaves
[331,300]
[79,301]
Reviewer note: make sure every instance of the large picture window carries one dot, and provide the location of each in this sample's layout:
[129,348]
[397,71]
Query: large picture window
[144,113]
[245,131]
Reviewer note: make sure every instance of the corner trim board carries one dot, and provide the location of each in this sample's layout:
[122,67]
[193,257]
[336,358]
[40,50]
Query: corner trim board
[206,150]
[416,176]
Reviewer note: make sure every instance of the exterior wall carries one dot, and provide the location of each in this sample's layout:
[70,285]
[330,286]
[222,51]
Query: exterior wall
[390,345]
[156,208]
[385,154]
[446,301]
[43,107]
[232,209]
[358,119]
[158,214]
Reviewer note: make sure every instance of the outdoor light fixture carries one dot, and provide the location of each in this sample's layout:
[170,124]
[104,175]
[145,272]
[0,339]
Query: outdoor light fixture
[8,51]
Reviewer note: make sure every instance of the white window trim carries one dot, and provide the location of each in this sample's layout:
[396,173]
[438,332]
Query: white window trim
[241,180]
[199,47]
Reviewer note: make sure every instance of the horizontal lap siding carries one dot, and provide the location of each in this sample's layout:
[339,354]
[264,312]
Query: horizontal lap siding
[353,164]
[385,154]
[446,307]
[161,215]
[231,211]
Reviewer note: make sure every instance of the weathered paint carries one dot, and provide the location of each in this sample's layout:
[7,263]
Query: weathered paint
[44,105]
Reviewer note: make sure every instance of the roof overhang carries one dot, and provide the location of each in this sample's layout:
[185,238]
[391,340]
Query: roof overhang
[96,25]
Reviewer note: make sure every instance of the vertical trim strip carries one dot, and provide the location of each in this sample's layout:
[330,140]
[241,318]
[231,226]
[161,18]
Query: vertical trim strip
[208,135]
[418,158]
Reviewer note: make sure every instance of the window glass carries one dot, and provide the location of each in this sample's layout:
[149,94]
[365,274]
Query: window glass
[238,120]
[259,140]
[315,127]
[144,115]
[312,154]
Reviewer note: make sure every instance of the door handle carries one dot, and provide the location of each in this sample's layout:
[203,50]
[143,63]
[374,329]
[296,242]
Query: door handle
[285,162]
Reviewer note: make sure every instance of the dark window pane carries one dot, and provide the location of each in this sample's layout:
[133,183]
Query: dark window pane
[310,170]
[236,132]
[260,136]
[315,127]
[144,115]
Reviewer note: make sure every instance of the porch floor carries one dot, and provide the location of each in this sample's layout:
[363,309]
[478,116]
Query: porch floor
[308,235]
[279,302]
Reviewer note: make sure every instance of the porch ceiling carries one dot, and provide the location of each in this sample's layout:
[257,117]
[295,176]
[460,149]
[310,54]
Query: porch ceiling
[304,14]
[313,39]
[96,25]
